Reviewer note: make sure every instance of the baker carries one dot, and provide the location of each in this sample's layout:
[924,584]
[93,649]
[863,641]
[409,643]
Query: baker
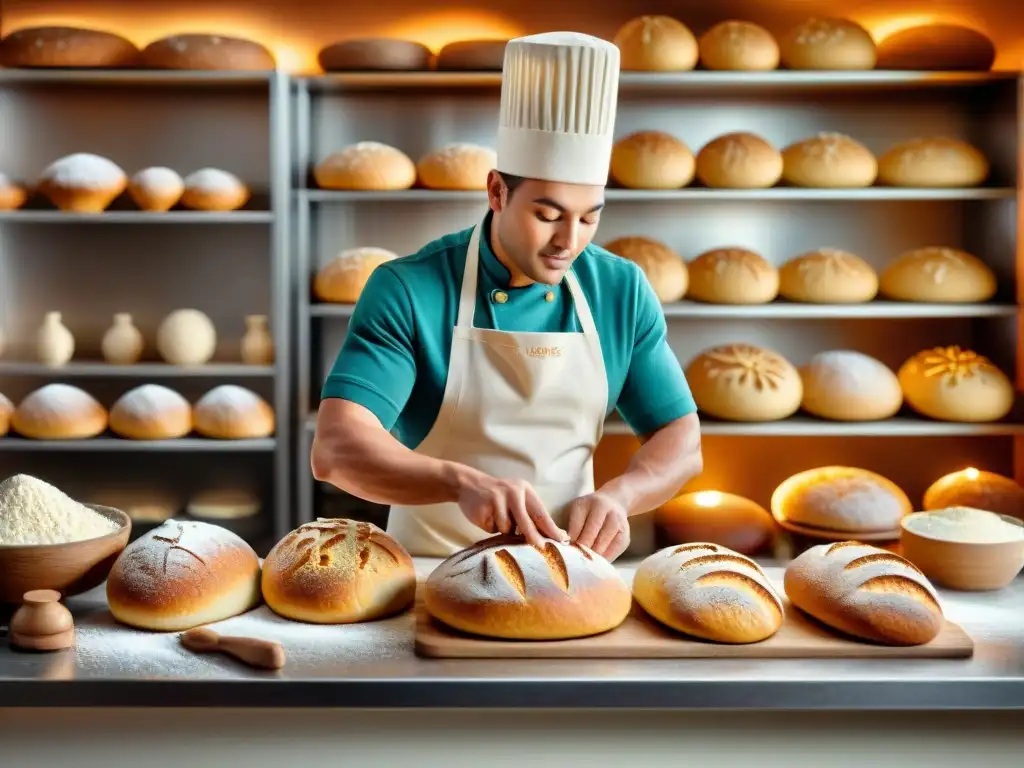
[472,387]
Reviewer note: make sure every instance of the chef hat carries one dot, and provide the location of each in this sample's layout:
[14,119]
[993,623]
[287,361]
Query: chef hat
[558,97]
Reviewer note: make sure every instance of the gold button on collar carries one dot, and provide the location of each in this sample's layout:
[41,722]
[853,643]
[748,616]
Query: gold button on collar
[500,297]
[549,296]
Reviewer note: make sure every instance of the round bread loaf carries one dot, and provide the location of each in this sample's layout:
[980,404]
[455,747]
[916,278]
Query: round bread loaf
[954,384]
[186,337]
[223,504]
[207,52]
[828,276]
[828,44]
[6,409]
[720,518]
[651,160]
[12,195]
[739,46]
[58,411]
[367,165]
[156,189]
[739,160]
[82,183]
[937,47]
[732,276]
[941,275]
[656,44]
[829,161]
[866,592]
[343,278]
[472,55]
[211,189]
[836,498]
[977,489]
[231,412]
[710,592]
[183,574]
[457,166]
[843,385]
[151,412]
[338,572]
[939,162]
[375,54]
[664,268]
[741,382]
[65,48]
[505,588]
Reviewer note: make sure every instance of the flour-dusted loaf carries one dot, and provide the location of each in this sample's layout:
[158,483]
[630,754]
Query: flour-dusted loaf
[212,189]
[156,189]
[183,574]
[207,52]
[375,54]
[336,571]
[845,385]
[6,409]
[738,45]
[12,194]
[709,592]
[231,412]
[866,592]
[739,160]
[742,382]
[933,162]
[828,276]
[82,183]
[66,48]
[977,489]
[732,276]
[457,166]
[829,160]
[656,44]
[151,412]
[59,411]
[663,267]
[838,498]
[824,43]
[956,384]
[472,55]
[366,165]
[941,275]
[505,588]
[343,278]
[937,48]
[651,160]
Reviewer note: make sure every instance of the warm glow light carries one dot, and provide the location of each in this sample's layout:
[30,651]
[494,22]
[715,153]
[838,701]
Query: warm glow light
[887,26]
[971,473]
[437,29]
[707,498]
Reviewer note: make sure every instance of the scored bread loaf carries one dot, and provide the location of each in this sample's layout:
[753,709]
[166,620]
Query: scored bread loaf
[151,412]
[503,587]
[366,165]
[738,45]
[66,47]
[710,592]
[866,592]
[836,498]
[955,384]
[828,276]
[336,571]
[732,276]
[741,382]
[456,166]
[937,274]
[828,43]
[651,160]
[656,44]
[231,412]
[663,267]
[343,278]
[739,160]
[59,411]
[829,160]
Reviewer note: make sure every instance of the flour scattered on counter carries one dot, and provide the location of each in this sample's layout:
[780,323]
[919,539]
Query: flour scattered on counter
[34,512]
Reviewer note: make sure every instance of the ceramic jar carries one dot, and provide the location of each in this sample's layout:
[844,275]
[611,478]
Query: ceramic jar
[122,343]
[257,343]
[54,342]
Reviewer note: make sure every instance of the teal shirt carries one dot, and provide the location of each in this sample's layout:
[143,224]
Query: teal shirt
[394,360]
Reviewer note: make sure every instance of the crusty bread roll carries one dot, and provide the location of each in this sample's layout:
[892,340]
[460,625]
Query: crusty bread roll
[738,45]
[58,411]
[12,195]
[651,160]
[725,519]
[829,161]
[740,160]
[472,55]
[505,588]
[664,268]
[338,572]
[710,592]
[937,162]
[366,165]
[211,189]
[732,276]
[457,166]
[977,489]
[741,382]
[937,274]
[954,384]
[836,498]
[828,43]
[66,47]
[866,592]
[156,189]
[183,574]
[843,385]
[828,276]
[374,54]
[151,412]
[223,504]
[231,412]
[937,47]
[82,183]
[656,44]
[207,52]
[343,278]
[6,409]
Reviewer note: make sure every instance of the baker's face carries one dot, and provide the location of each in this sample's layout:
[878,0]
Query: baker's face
[543,225]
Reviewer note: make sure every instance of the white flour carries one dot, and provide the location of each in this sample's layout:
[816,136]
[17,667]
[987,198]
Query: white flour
[158,179]
[229,399]
[964,524]
[213,180]
[34,512]
[84,170]
[149,400]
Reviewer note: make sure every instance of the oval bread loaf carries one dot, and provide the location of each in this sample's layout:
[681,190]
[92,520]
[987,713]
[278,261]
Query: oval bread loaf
[207,52]
[709,592]
[375,54]
[505,588]
[66,47]
[725,519]
[937,48]
[231,412]
[651,160]
[937,274]
[732,276]
[457,166]
[837,498]
[472,55]
[829,160]
[58,411]
[828,276]
[343,278]
[866,592]
[845,385]
[937,162]
[366,165]
[955,384]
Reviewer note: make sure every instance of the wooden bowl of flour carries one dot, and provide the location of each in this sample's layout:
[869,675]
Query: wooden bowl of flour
[70,568]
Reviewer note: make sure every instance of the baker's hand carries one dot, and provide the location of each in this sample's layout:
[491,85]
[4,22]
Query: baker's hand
[599,522]
[502,506]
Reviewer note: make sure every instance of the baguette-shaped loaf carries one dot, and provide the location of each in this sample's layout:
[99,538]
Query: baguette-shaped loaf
[709,592]
[866,592]
[505,588]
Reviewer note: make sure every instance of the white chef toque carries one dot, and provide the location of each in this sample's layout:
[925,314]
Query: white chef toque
[558,96]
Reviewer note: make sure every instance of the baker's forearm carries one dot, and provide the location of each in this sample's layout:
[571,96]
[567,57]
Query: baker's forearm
[662,465]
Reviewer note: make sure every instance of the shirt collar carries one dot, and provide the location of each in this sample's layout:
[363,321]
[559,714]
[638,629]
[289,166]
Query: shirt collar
[493,270]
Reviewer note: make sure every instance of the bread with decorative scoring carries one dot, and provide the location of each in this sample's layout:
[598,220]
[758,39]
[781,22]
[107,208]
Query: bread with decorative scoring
[940,275]
[829,160]
[956,384]
[732,276]
[743,382]
[828,276]
[739,160]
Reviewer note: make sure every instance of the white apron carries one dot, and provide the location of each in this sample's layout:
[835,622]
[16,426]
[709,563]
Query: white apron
[516,405]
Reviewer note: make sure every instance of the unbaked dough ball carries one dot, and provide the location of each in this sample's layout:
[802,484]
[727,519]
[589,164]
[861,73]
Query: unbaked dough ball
[151,412]
[656,44]
[186,337]
[211,189]
[828,43]
[741,382]
[368,165]
[651,160]
[844,385]
[664,268]
[740,160]
[12,195]
[939,162]
[828,276]
[732,276]
[231,412]
[457,166]
[829,161]
[343,278]
[738,45]
[955,384]
[82,183]
[939,275]
[59,412]
[156,189]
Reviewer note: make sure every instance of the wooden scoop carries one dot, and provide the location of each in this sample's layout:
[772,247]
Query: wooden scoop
[253,651]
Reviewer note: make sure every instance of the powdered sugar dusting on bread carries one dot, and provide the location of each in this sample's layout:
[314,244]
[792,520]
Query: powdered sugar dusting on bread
[213,181]
[56,398]
[84,170]
[150,399]
[158,179]
[229,398]
[847,373]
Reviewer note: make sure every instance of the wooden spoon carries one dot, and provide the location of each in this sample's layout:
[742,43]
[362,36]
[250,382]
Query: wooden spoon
[251,650]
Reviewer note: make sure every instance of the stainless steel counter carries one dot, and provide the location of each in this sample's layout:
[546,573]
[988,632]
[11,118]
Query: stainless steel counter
[373,665]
